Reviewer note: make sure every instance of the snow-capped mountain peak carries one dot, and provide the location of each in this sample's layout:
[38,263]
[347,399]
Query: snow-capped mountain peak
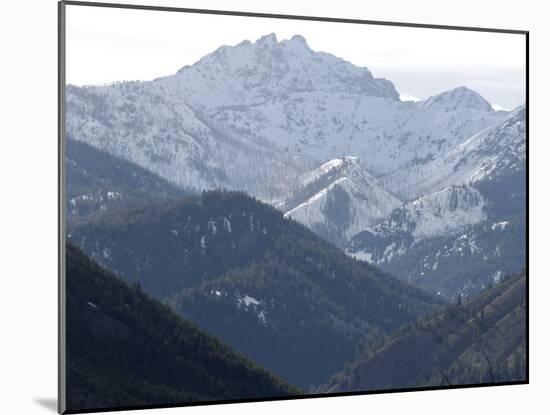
[310,102]
[251,72]
[267,40]
[299,39]
[270,40]
[458,99]
[273,118]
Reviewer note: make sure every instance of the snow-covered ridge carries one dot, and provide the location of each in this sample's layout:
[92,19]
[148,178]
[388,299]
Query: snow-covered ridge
[274,118]
[321,170]
[152,127]
[249,73]
[340,198]
[256,115]
[499,148]
[440,213]
[345,166]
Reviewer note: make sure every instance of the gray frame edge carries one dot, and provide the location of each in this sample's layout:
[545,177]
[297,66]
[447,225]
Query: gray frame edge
[291,17]
[62,316]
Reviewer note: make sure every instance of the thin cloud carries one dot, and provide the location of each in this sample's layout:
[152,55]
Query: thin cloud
[497,107]
[408,97]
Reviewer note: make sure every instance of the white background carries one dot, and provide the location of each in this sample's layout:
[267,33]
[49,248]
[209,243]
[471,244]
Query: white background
[28,224]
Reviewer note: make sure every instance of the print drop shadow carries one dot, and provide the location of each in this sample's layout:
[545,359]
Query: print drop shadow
[48,403]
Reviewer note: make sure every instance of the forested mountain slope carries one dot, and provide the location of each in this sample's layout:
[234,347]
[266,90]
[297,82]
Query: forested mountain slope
[97,182]
[480,341]
[126,349]
[263,283]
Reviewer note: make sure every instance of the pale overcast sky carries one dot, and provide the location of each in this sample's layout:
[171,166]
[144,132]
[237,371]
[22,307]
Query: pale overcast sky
[106,45]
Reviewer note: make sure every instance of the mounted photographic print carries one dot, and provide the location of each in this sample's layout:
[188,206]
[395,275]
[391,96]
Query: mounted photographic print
[258,207]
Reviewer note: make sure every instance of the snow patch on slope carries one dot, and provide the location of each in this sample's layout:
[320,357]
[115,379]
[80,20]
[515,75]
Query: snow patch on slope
[440,213]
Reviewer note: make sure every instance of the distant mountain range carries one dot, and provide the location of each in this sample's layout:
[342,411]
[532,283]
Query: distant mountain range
[493,152]
[479,341]
[253,116]
[264,284]
[285,202]
[125,349]
[328,144]
[471,230]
